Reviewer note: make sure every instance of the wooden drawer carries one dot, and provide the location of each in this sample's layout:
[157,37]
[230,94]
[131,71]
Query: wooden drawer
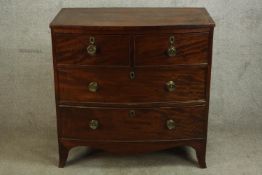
[133,124]
[110,49]
[191,48]
[148,86]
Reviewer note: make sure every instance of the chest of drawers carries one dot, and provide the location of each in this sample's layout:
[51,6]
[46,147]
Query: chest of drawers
[132,80]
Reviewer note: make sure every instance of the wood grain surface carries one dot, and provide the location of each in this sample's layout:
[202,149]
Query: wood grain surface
[132,40]
[152,49]
[111,49]
[146,124]
[121,17]
[115,85]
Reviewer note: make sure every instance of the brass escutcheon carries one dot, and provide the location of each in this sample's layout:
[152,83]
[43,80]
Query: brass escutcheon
[171,39]
[132,113]
[132,75]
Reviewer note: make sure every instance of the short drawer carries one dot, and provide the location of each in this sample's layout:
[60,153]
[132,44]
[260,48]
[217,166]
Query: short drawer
[84,49]
[148,85]
[133,124]
[171,49]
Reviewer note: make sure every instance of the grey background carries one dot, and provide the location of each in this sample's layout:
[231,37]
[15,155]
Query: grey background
[27,108]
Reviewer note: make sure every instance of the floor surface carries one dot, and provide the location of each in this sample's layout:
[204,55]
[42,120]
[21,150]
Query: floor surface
[232,151]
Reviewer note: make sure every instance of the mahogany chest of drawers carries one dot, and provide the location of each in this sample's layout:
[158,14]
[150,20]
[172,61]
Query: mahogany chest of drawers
[132,80]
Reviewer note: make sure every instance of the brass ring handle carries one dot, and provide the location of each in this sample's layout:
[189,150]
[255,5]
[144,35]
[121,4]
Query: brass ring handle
[93,124]
[91,49]
[170,124]
[93,86]
[170,86]
[171,51]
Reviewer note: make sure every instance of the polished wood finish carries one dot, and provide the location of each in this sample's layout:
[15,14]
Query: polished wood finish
[115,85]
[132,17]
[132,112]
[111,50]
[152,49]
[146,124]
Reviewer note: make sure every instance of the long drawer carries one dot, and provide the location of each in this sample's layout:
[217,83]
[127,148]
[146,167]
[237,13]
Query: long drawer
[123,85]
[132,124]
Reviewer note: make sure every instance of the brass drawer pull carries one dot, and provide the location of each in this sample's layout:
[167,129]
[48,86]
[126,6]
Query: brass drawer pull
[170,86]
[93,124]
[93,86]
[170,124]
[171,51]
[91,49]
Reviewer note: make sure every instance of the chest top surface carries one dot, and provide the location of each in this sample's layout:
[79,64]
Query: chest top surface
[132,17]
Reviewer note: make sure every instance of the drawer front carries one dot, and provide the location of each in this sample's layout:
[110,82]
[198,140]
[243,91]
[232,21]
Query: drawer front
[132,124]
[84,49]
[116,86]
[169,49]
